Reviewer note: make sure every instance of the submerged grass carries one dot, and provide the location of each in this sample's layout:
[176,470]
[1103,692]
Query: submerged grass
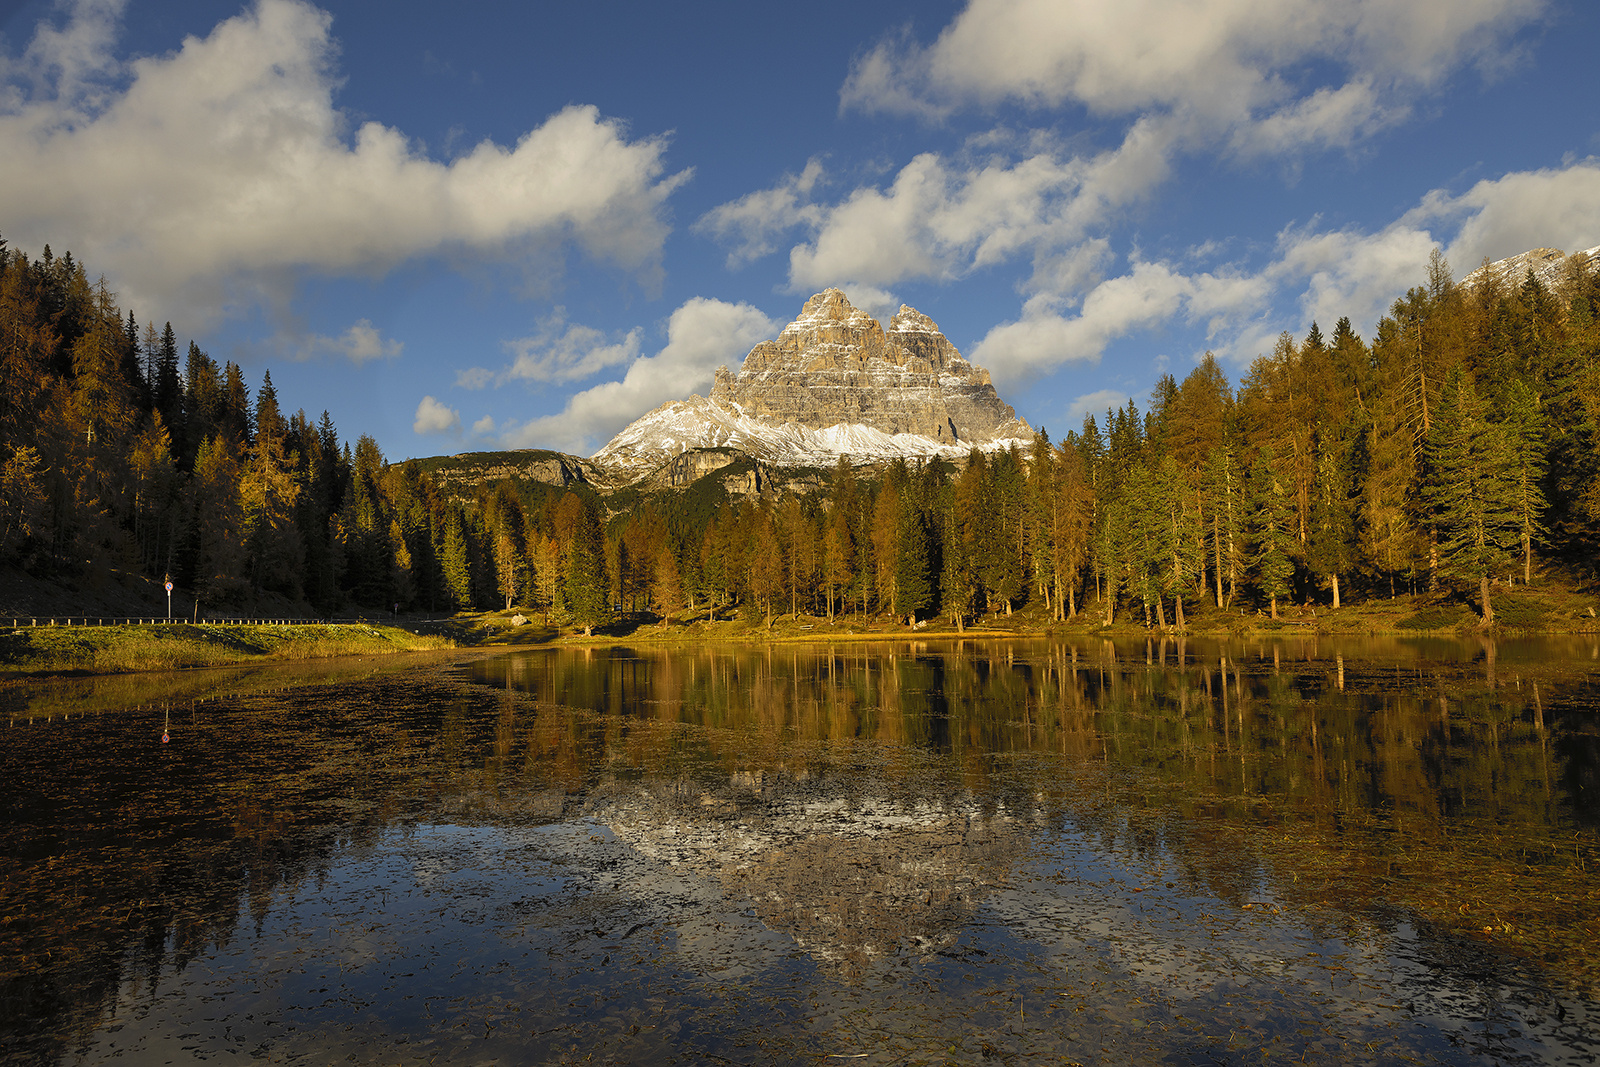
[116,649]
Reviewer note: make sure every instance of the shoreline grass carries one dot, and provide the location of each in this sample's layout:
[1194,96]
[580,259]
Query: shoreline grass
[1526,612]
[54,650]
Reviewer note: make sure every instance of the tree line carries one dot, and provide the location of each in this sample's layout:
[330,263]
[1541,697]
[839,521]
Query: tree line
[1458,449]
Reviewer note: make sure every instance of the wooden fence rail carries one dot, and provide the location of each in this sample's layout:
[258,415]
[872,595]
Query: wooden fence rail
[21,622]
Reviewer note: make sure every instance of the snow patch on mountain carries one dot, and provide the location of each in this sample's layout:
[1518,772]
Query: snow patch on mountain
[683,425]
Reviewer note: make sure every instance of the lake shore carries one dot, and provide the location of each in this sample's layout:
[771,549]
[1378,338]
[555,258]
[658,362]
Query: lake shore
[84,650]
[94,650]
[1551,610]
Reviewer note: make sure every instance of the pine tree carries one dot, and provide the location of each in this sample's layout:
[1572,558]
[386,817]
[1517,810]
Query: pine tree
[586,583]
[1472,489]
[667,585]
[453,561]
[1332,544]
[1524,428]
[957,582]
[913,579]
[166,386]
[1272,519]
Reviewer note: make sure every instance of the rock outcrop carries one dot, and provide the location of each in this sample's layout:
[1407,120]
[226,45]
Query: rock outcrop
[1549,265]
[834,382]
[470,469]
[835,364]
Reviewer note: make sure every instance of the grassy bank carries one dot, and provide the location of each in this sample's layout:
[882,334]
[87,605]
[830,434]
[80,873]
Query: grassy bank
[1551,609]
[114,649]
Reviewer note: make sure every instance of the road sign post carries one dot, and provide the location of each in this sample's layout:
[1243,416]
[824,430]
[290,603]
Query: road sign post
[169,599]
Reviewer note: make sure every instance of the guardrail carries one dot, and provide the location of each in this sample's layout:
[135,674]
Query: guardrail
[21,622]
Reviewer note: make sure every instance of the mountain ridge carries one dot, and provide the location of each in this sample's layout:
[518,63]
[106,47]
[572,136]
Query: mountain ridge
[833,383]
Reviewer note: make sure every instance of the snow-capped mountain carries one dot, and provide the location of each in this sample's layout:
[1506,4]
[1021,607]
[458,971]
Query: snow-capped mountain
[1548,265]
[834,383]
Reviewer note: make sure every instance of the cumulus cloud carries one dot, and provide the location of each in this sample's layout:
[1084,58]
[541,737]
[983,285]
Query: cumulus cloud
[434,417]
[1045,338]
[1347,272]
[1323,274]
[223,170]
[1557,208]
[484,426]
[1097,404]
[702,334]
[752,224]
[361,343]
[474,378]
[568,352]
[1223,62]
[1242,78]
[942,218]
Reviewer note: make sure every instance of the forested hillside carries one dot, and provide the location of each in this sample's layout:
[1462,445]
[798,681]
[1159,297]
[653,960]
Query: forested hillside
[1457,450]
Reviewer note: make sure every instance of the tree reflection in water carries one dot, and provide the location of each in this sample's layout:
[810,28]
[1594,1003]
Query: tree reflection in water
[1167,850]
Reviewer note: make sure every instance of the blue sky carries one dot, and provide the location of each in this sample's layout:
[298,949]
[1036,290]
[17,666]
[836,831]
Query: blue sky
[475,226]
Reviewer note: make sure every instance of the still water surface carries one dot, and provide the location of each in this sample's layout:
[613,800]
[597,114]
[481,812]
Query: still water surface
[1379,851]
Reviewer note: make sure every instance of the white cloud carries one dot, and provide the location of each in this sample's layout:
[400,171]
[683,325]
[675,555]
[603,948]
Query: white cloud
[752,223]
[484,426]
[361,343]
[568,352]
[1097,404]
[1554,208]
[1148,295]
[1324,274]
[434,417]
[1224,62]
[1347,273]
[702,334]
[218,172]
[942,218]
[474,378]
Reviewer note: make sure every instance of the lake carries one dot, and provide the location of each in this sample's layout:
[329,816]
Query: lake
[1379,850]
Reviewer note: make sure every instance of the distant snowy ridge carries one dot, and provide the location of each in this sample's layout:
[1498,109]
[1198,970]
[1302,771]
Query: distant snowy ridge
[684,425]
[833,383]
[1547,265]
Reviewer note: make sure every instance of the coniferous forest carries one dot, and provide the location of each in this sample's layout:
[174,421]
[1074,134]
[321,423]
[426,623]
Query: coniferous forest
[1456,451]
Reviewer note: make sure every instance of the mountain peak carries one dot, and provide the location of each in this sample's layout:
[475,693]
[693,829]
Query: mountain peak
[834,378]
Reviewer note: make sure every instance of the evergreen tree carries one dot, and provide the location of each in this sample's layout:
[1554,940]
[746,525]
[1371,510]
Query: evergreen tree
[957,582]
[913,579]
[1332,545]
[1524,429]
[166,386]
[453,560]
[667,584]
[1472,489]
[1272,518]
[586,582]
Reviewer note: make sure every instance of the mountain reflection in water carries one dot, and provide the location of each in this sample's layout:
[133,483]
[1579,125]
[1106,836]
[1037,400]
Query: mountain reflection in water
[900,853]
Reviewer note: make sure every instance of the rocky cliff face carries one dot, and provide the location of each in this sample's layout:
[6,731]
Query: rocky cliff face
[1549,265]
[834,382]
[835,364]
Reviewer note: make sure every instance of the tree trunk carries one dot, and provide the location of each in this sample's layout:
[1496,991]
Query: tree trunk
[1335,590]
[1527,559]
[1216,545]
[1483,593]
[1177,611]
[1433,559]
[1274,601]
[1161,614]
